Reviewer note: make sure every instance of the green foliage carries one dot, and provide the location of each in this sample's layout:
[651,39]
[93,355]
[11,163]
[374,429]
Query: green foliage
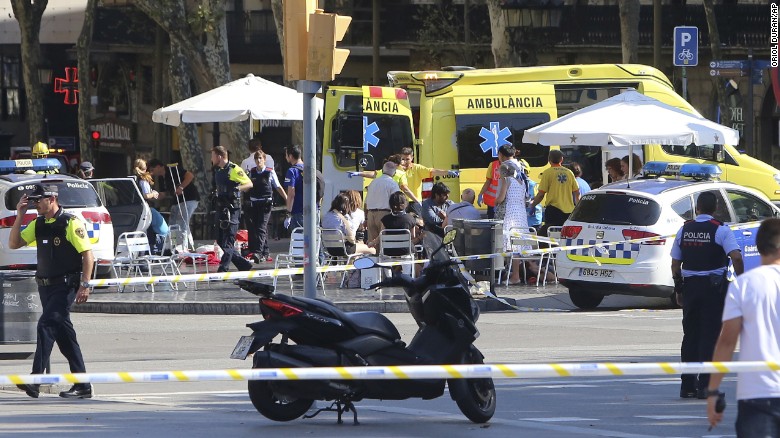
[441,30]
[204,20]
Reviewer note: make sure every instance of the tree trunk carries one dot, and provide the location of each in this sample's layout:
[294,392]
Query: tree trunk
[499,44]
[629,30]
[82,53]
[189,147]
[717,82]
[29,17]
[206,52]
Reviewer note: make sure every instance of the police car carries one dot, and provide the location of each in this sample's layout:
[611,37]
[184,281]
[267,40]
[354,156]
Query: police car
[653,208]
[76,196]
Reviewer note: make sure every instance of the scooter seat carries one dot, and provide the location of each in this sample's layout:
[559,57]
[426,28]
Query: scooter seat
[372,323]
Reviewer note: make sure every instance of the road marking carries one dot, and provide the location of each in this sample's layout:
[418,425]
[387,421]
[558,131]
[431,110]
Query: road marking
[561,386]
[536,425]
[672,417]
[558,419]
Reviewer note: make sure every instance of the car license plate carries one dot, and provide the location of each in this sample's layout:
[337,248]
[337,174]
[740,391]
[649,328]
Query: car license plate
[242,348]
[601,273]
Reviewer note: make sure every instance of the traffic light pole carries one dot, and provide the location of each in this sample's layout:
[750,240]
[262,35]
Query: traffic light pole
[310,248]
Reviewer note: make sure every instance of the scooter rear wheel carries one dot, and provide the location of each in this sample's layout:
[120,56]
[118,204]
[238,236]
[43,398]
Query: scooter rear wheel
[274,407]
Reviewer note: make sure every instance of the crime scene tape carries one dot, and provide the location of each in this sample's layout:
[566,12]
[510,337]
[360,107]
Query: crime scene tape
[402,372]
[220,276]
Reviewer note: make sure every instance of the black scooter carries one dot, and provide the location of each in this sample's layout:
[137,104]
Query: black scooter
[324,336]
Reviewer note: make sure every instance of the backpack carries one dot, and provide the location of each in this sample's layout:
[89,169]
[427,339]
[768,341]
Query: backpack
[320,183]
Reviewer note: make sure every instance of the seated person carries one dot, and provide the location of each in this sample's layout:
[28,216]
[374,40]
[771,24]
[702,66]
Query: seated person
[336,219]
[434,209]
[399,219]
[463,209]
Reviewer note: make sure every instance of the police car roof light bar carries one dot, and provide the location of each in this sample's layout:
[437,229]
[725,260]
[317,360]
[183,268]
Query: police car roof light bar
[696,171]
[37,165]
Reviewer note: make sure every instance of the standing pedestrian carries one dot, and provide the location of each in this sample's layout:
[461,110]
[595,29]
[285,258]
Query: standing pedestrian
[614,169]
[490,188]
[576,169]
[514,197]
[65,263]
[378,199]
[180,183]
[261,198]
[750,316]
[700,258]
[230,180]
[561,189]
[293,182]
[416,173]
[86,170]
[255,145]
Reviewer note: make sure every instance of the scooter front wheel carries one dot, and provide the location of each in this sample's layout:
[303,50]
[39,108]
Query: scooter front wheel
[476,398]
[276,407]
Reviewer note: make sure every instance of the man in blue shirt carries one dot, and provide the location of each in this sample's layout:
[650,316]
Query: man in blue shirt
[700,259]
[293,183]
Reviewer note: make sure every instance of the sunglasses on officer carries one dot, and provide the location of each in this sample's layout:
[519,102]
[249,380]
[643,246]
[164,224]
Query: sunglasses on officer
[37,199]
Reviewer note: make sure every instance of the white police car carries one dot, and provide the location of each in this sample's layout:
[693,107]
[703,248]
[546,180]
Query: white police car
[645,208]
[76,196]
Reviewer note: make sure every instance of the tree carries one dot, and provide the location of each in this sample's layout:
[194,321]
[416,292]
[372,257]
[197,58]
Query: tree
[629,30]
[82,53]
[499,42]
[199,50]
[717,82]
[28,14]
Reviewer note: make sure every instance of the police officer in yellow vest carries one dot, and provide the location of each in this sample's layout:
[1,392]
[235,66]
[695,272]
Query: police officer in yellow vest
[64,267]
[41,150]
[230,180]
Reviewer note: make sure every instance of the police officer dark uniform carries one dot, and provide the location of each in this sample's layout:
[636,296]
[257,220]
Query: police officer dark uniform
[264,182]
[700,258]
[64,267]
[230,180]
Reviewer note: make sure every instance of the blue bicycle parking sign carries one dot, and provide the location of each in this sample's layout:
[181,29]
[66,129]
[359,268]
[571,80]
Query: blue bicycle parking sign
[686,46]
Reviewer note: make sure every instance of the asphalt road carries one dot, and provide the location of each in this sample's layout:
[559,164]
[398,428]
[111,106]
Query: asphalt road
[645,406]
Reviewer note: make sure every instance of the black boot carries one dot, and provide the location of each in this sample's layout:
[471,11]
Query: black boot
[31,389]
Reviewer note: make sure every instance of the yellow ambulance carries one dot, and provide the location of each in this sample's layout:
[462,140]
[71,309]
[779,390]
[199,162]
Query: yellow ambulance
[458,117]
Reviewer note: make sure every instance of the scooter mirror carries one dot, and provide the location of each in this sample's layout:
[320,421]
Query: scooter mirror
[364,263]
[450,236]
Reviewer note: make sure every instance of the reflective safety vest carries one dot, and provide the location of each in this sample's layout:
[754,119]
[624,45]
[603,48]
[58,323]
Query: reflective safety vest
[489,197]
[56,255]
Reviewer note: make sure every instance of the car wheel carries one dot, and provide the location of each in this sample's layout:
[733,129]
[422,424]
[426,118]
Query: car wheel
[585,299]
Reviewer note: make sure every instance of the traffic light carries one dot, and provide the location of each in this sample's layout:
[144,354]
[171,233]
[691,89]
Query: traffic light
[296,26]
[95,136]
[324,60]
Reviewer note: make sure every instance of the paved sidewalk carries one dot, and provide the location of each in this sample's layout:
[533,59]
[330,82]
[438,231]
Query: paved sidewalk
[226,298]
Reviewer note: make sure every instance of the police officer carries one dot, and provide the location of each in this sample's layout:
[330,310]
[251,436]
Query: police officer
[64,267]
[230,180]
[700,258]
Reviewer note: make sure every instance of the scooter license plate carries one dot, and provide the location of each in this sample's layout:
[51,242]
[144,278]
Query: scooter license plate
[242,348]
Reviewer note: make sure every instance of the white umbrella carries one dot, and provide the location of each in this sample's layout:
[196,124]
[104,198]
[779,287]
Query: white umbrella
[251,96]
[630,118]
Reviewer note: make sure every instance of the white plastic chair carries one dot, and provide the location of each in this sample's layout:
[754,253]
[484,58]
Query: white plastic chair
[554,233]
[396,245]
[134,257]
[295,256]
[334,244]
[527,242]
[177,240]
